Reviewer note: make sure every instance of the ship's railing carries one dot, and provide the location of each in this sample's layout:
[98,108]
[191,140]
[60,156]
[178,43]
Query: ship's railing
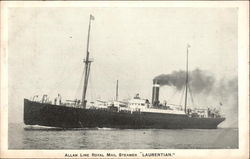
[204,112]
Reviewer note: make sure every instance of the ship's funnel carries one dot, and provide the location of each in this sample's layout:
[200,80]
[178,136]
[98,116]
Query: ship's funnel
[155,93]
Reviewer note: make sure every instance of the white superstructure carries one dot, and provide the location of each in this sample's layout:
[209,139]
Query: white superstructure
[143,105]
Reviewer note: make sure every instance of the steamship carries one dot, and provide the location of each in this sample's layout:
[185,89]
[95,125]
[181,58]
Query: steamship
[137,113]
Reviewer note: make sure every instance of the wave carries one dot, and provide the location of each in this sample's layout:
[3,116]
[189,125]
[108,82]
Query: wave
[47,128]
[38,127]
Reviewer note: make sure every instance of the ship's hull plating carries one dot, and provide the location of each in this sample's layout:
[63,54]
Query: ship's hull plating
[67,117]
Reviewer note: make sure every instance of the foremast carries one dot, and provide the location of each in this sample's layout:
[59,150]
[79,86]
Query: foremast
[87,65]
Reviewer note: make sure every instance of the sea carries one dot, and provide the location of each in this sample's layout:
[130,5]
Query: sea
[36,137]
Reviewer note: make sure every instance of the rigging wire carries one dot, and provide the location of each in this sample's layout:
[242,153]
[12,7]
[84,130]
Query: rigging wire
[191,94]
[172,96]
[80,85]
[92,93]
[63,74]
[182,96]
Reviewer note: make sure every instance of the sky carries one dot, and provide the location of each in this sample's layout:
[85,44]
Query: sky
[133,45]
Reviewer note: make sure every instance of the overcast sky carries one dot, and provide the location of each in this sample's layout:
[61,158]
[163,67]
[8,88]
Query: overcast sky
[132,45]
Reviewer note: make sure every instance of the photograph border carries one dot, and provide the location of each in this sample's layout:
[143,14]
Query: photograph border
[243,81]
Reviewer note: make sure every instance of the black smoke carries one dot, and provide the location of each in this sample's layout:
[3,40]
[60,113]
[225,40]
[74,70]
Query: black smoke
[199,80]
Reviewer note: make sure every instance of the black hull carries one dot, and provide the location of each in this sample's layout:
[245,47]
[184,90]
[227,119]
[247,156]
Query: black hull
[67,117]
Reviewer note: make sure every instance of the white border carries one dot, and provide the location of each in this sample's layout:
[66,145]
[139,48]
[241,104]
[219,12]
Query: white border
[243,80]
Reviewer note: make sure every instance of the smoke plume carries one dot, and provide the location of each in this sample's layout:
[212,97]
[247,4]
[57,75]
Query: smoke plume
[199,80]
[227,91]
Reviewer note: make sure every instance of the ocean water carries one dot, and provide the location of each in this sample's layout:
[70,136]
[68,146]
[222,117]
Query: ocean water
[27,137]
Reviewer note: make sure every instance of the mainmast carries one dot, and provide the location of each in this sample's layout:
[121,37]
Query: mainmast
[87,62]
[185,105]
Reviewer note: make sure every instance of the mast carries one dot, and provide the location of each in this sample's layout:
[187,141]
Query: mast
[116,94]
[87,62]
[186,84]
